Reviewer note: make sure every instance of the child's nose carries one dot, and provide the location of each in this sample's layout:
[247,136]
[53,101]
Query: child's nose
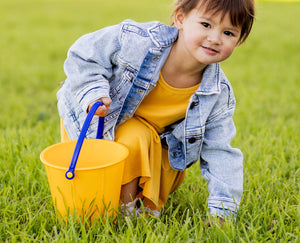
[214,37]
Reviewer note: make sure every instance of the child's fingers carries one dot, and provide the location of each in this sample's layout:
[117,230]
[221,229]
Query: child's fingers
[103,109]
[209,222]
[106,101]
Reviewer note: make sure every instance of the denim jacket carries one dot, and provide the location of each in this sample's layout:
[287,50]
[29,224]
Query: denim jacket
[123,62]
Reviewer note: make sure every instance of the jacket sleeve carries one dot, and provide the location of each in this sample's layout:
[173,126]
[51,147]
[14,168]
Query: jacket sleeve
[222,165]
[89,64]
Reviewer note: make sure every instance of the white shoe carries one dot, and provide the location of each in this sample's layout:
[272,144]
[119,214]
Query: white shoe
[129,209]
[147,211]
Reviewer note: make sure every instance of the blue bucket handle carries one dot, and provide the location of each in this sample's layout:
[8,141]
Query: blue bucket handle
[71,171]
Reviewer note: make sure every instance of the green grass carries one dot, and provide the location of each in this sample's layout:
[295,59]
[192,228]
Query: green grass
[35,36]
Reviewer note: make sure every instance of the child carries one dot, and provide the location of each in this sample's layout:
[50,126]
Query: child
[165,97]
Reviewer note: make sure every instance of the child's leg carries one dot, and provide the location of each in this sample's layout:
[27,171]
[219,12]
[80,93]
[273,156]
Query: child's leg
[136,137]
[147,172]
[129,191]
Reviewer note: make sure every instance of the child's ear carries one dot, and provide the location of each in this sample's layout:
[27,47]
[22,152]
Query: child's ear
[178,18]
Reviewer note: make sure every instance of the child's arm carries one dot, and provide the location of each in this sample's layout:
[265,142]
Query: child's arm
[89,65]
[222,165]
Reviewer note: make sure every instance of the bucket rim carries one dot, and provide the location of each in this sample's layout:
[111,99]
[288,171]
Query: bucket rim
[43,160]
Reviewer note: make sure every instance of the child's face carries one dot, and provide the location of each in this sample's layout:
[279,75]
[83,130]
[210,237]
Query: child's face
[204,37]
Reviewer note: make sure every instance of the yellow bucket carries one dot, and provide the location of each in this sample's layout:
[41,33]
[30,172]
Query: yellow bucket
[93,187]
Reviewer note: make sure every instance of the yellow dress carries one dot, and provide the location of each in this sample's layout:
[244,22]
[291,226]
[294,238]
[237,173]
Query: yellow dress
[147,160]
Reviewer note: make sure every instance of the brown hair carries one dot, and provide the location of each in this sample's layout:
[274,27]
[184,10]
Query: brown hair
[241,12]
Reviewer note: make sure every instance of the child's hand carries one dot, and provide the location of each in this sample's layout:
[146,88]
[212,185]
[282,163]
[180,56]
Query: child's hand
[209,222]
[103,109]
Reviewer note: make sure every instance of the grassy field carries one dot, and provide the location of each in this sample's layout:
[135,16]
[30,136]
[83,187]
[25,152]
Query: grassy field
[35,36]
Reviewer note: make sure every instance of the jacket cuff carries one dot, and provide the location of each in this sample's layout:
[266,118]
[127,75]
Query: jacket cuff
[223,208]
[222,212]
[92,95]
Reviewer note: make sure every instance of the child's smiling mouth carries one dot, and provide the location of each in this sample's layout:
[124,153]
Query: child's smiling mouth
[209,50]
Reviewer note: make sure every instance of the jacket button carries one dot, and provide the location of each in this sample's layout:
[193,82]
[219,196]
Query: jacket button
[192,140]
[193,104]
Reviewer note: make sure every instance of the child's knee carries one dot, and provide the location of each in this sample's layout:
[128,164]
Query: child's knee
[132,132]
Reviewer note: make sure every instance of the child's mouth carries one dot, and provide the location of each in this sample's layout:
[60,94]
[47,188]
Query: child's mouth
[209,50]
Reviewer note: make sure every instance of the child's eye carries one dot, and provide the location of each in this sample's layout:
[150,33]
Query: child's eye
[206,25]
[228,33]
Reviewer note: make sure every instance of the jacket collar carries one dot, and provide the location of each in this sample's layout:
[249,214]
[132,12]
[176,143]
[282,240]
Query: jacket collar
[211,80]
[163,35]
